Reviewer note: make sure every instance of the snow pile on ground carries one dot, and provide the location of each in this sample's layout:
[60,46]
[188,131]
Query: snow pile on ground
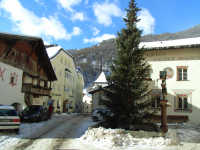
[120,138]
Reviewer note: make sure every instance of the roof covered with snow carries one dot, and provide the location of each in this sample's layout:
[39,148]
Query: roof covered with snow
[101,78]
[179,43]
[55,50]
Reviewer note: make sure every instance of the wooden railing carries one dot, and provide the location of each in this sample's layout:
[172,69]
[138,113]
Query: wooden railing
[29,88]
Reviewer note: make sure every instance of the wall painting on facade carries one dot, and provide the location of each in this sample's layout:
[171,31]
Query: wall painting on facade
[2,71]
[13,79]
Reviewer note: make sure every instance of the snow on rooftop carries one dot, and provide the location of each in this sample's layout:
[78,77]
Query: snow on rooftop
[101,78]
[170,43]
[53,50]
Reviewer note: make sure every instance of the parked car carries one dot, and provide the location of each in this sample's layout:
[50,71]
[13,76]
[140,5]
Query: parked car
[9,119]
[98,114]
[34,113]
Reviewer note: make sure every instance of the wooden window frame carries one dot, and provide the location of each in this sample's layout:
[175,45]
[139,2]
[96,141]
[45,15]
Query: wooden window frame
[181,67]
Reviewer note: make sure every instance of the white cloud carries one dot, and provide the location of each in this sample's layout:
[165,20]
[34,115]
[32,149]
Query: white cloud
[147,22]
[95,31]
[26,22]
[67,4]
[76,31]
[105,11]
[99,38]
[78,16]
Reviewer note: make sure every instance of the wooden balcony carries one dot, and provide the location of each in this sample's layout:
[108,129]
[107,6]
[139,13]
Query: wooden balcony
[29,88]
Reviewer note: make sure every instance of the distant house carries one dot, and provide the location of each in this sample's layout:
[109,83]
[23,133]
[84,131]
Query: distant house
[25,71]
[97,91]
[101,80]
[67,90]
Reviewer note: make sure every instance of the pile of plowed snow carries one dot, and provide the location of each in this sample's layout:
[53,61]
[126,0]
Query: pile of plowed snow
[120,138]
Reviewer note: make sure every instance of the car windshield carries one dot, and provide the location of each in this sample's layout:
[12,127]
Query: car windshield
[7,112]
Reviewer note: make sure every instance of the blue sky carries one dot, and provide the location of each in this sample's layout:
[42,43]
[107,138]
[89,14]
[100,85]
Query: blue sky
[75,24]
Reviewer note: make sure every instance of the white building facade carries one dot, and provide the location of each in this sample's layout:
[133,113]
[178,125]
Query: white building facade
[11,85]
[181,60]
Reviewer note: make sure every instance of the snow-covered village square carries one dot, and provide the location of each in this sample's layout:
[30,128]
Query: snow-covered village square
[99,75]
[71,132]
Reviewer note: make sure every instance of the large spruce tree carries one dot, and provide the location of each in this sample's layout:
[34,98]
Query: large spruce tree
[129,73]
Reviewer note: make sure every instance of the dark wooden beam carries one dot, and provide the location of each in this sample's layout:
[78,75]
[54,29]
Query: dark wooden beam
[9,45]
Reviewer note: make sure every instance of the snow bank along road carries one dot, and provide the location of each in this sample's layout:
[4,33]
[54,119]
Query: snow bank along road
[50,135]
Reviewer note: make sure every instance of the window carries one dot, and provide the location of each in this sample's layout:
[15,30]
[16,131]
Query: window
[156,101]
[66,89]
[66,74]
[46,84]
[12,80]
[8,112]
[181,103]
[182,73]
